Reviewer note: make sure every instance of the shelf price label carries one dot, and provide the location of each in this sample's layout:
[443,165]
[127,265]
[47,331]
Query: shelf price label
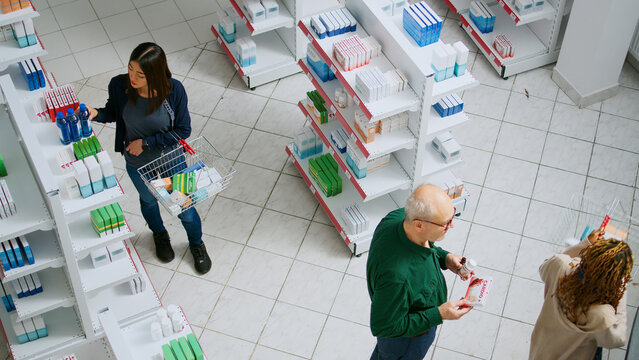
[308,118]
[348,174]
[235,66]
[330,150]
[356,100]
[219,41]
[333,69]
[512,16]
[343,234]
[310,77]
[309,36]
[312,189]
[333,108]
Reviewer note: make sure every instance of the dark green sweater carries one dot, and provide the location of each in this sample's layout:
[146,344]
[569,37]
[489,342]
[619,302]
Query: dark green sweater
[405,281]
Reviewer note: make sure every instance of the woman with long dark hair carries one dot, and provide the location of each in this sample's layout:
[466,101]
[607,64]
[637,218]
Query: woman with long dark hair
[150,112]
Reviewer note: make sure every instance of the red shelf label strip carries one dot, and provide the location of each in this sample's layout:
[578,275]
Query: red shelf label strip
[244,17]
[485,46]
[227,51]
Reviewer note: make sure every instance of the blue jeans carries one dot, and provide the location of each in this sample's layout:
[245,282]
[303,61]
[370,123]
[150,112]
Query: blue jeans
[403,348]
[151,211]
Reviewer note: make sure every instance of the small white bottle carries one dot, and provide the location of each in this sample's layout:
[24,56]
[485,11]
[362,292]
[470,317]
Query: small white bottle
[167,327]
[171,310]
[468,266]
[178,322]
[156,331]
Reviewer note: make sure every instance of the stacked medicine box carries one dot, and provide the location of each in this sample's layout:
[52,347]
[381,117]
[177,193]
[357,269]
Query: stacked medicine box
[333,23]
[422,23]
[482,16]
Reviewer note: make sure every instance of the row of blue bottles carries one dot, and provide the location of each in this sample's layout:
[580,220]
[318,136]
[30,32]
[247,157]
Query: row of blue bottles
[73,128]
[61,122]
[85,123]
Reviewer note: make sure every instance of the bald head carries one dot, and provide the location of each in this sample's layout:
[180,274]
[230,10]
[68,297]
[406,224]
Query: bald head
[428,202]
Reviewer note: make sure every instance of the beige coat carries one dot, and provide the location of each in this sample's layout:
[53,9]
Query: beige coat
[556,338]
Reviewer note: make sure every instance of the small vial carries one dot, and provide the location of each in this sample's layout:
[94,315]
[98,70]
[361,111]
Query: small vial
[171,310]
[178,322]
[468,266]
[156,331]
[161,314]
[85,123]
[61,122]
[74,129]
[167,327]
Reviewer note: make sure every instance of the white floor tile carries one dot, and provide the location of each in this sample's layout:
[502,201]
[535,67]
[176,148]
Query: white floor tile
[486,74]
[238,84]
[520,142]
[525,298]
[474,166]
[65,69]
[500,210]
[265,150]
[324,246]
[220,346]
[604,192]
[260,272]
[101,81]
[281,118]
[445,354]
[352,302]
[293,330]
[53,3]
[333,345]
[240,314]
[141,3]
[629,76]
[479,132]
[213,67]
[529,111]
[618,132]
[557,186]
[537,82]
[124,25]
[227,138]
[160,15]
[533,253]
[223,254]
[542,220]
[486,101]
[159,277]
[513,340]
[124,47]
[188,292]
[567,153]
[231,220]
[180,62]
[483,242]
[196,8]
[175,37]
[357,265]
[511,175]
[98,60]
[251,184]
[623,104]
[198,122]
[55,44]
[311,287]
[146,247]
[278,233]
[451,32]
[574,122]
[498,291]
[202,96]
[94,97]
[462,337]
[85,36]
[264,353]
[614,165]
[46,22]
[290,195]
[471,205]
[74,13]
[233,107]
[108,8]
[455,239]
[201,27]
[292,88]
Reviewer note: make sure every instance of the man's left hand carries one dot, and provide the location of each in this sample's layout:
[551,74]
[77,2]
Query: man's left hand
[135,147]
[453,263]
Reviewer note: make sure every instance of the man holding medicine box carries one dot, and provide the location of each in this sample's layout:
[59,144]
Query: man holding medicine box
[404,275]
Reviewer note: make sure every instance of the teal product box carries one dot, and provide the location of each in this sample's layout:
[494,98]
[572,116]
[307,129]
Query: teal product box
[460,69]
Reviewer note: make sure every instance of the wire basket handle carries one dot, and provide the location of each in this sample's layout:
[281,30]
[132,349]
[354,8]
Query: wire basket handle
[182,142]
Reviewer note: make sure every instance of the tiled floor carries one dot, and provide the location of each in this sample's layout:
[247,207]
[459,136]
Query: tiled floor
[283,284]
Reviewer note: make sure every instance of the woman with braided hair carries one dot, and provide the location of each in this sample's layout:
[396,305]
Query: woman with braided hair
[584,300]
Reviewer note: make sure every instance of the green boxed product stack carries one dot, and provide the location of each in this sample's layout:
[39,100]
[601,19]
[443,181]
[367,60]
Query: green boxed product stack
[184,348]
[318,106]
[86,147]
[108,219]
[3,169]
[185,182]
[324,170]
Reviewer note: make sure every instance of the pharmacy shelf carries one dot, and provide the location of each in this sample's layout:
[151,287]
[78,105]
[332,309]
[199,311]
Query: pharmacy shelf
[284,19]
[139,341]
[453,85]
[98,349]
[56,292]
[46,253]
[63,327]
[547,12]
[525,43]
[73,207]
[115,273]
[383,144]
[273,58]
[457,6]
[438,124]
[32,213]
[434,162]
[84,239]
[11,53]
[376,209]
[378,183]
[407,100]
[19,15]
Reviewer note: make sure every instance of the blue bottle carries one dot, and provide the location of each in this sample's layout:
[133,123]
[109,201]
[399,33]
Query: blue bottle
[61,122]
[74,126]
[85,123]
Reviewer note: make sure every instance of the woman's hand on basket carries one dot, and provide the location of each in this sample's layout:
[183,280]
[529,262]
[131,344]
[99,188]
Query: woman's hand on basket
[596,235]
[135,147]
[92,112]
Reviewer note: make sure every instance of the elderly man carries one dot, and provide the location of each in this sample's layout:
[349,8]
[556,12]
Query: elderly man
[404,274]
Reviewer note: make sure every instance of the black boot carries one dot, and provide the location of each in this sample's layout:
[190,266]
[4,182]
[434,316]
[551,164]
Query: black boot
[163,249]
[201,259]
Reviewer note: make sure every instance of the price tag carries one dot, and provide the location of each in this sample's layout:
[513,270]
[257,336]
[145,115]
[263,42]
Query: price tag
[235,66]
[310,77]
[333,108]
[309,36]
[246,21]
[343,234]
[492,56]
[312,189]
[308,118]
[219,41]
[333,69]
[330,150]
[356,100]
[512,15]
[348,174]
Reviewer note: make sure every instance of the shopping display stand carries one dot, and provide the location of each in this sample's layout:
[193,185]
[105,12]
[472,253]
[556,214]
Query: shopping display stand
[10,52]
[536,37]
[413,161]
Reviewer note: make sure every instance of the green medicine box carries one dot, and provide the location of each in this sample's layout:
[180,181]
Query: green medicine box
[113,219]
[119,215]
[107,219]
[195,346]
[96,144]
[186,349]
[177,350]
[167,352]
[98,222]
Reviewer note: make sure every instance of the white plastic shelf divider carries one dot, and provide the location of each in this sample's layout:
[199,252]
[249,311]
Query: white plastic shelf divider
[434,162]
[378,183]
[11,53]
[525,43]
[376,209]
[547,12]
[84,239]
[383,144]
[19,15]
[377,110]
[46,254]
[271,52]
[117,272]
[437,123]
[141,345]
[56,293]
[284,19]
[32,212]
[63,327]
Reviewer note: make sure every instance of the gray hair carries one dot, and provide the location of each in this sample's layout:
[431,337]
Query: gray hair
[417,208]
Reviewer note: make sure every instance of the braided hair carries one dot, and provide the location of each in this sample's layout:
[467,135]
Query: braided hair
[600,278]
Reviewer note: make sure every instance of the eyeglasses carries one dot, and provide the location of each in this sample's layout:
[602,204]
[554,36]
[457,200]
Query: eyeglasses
[448,224]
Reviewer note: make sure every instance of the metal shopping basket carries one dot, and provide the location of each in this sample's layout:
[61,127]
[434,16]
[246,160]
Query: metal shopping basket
[584,214]
[187,175]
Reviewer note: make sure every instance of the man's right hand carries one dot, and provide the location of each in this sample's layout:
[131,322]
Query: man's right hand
[92,112]
[453,310]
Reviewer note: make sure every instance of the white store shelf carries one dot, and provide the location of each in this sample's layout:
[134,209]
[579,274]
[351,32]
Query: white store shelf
[376,209]
[437,123]
[457,6]
[454,84]
[407,100]
[383,144]
[56,292]
[117,272]
[19,15]
[11,53]
[84,238]
[63,327]
[77,205]
[98,349]
[283,19]
[32,213]
[547,12]
[434,162]
[46,253]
